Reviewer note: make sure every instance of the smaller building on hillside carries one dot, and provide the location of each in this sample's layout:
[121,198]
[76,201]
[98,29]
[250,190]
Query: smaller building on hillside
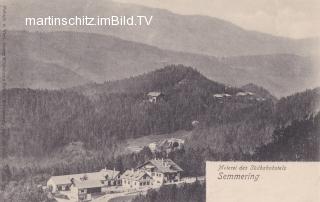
[171,144]
[244,94]
[155,96]
[162,171]
[195,123]
[136,179]
[168,145]
[222,96]
[153,146]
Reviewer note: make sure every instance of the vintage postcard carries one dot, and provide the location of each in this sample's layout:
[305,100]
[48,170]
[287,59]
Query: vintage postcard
[160,100]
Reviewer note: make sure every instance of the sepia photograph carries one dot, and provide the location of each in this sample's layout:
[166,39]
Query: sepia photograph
[148,100]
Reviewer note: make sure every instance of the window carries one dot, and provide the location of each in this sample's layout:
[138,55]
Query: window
[152,174]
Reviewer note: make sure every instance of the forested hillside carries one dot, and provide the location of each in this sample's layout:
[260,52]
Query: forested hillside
[174,77]
[259,91]
[298,106]
[102,115]
[298,142]
[290,127]
[40,121]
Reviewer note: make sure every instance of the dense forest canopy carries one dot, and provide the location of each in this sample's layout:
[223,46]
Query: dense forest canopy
[40,121]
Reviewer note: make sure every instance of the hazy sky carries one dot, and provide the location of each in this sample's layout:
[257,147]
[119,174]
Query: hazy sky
[292,18]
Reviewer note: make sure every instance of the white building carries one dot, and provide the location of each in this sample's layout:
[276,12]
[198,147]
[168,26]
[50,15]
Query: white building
[162,171]
[244,94]
[153,146]
[220,96]
[135,179]
[83,190]
[104,177]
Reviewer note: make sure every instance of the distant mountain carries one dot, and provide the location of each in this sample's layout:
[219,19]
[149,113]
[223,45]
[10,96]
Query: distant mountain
[65,59]
[276,73]
[258,90]
[186,33]
[33,72]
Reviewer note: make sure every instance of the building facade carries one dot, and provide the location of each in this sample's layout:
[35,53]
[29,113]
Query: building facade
[66,182]
[162,171]
[136,179]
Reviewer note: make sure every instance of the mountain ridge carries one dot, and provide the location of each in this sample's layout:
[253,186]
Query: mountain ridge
[187,33]
[118,59]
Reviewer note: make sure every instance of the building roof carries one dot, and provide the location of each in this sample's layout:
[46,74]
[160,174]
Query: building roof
[97,176]
[221,95]
[133,174]
[83,184]
[218,95]
[110,174]
[154,94]
[63,179]
[153,144]
[244,93]
[164,165]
